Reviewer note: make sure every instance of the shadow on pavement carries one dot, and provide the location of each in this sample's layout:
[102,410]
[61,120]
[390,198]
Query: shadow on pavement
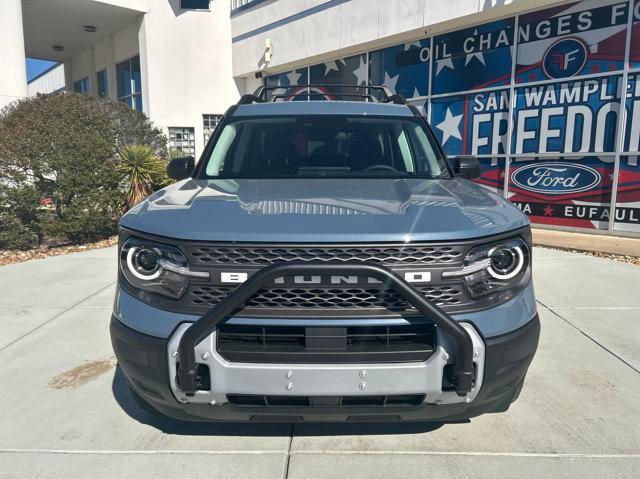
[167,425]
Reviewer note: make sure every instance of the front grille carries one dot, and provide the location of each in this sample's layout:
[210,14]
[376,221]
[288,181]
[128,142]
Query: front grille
[349,344]
[264,255]
[202,296]
[393,400]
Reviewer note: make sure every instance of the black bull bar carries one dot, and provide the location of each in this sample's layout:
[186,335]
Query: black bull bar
[204,326]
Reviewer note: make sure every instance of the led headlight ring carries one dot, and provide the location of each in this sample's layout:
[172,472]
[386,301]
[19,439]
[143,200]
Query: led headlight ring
[511,272]
[131,256]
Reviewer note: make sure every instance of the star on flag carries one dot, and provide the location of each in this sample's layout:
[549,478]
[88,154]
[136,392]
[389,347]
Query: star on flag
[293,77]
[407,46]
[444,63]
[361,72]
[478,55]
[450,126]
[391,81]
[332,65]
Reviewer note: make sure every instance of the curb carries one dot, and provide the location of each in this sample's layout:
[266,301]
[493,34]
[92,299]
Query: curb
[587,242]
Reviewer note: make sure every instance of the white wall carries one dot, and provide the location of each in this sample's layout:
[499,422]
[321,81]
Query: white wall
[13,77]
[351,26]
[186,59]
[51,81]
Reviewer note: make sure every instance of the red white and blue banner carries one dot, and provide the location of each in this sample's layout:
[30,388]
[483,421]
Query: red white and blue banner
[565,191]
[473,58]
[634,53]
[567,63]
[403,68]
[472,124]
[628,200]
[577,38]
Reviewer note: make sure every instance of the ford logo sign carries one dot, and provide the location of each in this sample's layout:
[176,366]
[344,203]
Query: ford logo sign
[556,178]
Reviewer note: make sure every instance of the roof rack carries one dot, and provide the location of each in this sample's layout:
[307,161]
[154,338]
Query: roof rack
[364,92]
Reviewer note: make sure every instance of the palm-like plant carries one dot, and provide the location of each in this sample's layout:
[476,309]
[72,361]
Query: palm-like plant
[142,172]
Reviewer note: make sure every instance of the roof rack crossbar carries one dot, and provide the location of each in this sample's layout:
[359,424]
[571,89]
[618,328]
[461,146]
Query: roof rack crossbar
[260,95]
[370,98]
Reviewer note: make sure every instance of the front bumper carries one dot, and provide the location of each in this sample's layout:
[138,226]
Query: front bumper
[502,363]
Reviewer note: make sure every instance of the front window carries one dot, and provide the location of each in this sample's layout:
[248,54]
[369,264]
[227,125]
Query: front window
[81,86]
[325,146]
[130,82]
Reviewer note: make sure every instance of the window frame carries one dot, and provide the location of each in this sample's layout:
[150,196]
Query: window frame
[102,77]
[82,86]
[134,95]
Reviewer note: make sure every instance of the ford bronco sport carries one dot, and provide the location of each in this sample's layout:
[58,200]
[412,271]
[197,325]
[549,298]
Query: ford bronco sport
[324,260]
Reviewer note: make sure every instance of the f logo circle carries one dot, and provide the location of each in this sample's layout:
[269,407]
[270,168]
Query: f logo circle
[565,58]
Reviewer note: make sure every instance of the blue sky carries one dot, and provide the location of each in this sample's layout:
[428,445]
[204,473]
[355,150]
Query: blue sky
[34,67]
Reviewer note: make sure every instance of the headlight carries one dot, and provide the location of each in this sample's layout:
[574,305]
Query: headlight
[156,267]
[496,268]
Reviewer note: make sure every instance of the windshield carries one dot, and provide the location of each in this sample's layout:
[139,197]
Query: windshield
[325,146]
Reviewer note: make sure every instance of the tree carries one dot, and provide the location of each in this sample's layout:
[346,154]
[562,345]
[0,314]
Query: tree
[59,174]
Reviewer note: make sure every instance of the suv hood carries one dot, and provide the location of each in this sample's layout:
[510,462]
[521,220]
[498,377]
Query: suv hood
[324,211]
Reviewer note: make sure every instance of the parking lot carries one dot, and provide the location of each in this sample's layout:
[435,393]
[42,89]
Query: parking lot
[65,410]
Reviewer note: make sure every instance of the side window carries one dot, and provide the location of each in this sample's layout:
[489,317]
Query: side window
[405,152]
[424,154]
[216,162]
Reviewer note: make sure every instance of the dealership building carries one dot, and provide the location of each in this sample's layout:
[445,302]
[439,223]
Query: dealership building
[545,93]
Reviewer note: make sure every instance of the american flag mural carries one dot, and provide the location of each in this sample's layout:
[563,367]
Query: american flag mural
[536,97]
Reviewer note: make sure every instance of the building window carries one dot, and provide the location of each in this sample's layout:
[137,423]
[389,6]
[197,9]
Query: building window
[130,82]
[103,83]
[81,86]
[194,4]
[182,140]
[209,123]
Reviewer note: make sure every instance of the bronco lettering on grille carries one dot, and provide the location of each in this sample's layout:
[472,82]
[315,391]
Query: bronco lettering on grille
[409,276]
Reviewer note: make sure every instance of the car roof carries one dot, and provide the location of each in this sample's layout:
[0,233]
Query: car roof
[355,108]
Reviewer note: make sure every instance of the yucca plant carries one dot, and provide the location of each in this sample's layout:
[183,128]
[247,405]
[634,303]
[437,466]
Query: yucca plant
[142,172]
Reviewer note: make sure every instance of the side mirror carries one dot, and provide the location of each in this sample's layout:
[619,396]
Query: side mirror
[467,167]
[181,168]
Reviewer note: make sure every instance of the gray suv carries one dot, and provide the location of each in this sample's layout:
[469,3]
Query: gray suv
[324,260]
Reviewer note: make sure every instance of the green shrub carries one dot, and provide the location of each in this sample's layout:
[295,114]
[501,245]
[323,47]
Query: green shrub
[62,149]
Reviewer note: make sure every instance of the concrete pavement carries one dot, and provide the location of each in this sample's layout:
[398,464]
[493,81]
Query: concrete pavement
[66,412]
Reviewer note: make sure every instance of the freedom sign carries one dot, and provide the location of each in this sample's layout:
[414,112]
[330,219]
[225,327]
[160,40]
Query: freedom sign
[577,116]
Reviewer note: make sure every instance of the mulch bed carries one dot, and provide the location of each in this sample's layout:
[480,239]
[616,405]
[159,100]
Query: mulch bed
[18,256]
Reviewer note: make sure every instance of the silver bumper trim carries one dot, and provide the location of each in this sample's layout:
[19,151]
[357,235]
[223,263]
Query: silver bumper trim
[326,379]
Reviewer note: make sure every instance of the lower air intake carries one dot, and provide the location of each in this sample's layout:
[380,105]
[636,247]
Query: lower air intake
[348,344]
